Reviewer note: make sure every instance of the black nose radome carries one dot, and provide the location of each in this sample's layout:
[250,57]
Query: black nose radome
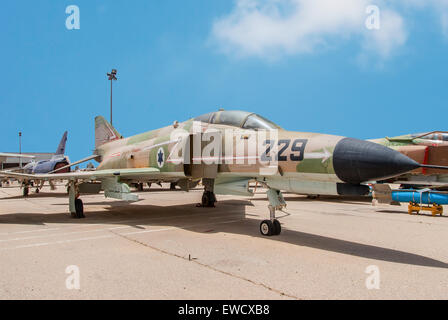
[357,161]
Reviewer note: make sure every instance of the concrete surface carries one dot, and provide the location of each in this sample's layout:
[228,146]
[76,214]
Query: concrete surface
[163,247]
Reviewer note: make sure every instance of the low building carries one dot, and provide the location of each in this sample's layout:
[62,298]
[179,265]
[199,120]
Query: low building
[12,162]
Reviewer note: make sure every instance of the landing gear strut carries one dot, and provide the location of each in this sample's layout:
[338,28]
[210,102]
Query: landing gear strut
[79,209]
[26,189]
[208,197]
[273,227]
[75,204]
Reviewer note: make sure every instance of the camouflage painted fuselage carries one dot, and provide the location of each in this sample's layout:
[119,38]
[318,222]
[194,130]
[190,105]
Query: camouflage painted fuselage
[250,148]
[295,171]
[427,148]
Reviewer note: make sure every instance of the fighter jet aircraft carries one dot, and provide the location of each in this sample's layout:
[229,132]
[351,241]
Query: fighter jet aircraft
[427,148]
[57,161]
[227,150]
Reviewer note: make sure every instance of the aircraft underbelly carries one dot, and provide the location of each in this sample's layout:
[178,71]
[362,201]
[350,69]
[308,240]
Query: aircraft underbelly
[303,186]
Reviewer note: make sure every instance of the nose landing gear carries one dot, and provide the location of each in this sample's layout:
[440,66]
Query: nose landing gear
[273,227]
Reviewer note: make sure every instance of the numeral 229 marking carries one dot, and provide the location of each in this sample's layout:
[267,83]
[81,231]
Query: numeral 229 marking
[297,150]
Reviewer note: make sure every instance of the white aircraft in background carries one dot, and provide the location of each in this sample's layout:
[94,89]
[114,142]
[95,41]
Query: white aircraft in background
[5,156]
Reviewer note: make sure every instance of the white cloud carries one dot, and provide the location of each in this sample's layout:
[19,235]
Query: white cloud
[272,28]
[441,7]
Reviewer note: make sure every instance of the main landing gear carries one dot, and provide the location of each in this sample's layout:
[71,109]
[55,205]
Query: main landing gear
[25,188]
[75,204]
[273,227]
[140,187]
[208,197]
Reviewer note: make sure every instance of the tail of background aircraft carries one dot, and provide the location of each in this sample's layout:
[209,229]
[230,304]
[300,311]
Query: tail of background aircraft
[61,148]
[104,132]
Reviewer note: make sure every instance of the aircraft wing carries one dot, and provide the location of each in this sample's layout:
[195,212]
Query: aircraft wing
[143,173]
[112,181]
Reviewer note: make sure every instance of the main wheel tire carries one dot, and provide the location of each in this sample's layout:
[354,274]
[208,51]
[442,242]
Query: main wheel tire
[267,228]
[208,199]
[37,190]
[26,191]
[205,199]
[277,228]
[79,207]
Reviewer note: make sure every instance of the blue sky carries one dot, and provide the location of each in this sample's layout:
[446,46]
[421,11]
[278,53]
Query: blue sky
[307,67]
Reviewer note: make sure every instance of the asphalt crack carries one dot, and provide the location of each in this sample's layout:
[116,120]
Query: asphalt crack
[196,261]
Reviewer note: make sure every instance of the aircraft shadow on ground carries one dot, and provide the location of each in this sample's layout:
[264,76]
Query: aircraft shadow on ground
[179,216]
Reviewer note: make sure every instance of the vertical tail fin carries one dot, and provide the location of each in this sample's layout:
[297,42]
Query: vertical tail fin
[104,132]
[61,148]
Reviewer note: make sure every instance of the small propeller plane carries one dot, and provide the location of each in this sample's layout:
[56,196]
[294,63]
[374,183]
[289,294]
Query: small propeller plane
[227,150]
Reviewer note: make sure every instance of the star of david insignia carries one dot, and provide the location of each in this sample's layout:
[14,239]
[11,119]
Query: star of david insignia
[160,158]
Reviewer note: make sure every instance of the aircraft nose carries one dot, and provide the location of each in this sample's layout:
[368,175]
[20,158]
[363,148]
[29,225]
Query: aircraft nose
[357,161]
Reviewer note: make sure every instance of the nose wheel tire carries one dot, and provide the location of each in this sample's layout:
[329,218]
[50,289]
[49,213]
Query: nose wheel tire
[269,228]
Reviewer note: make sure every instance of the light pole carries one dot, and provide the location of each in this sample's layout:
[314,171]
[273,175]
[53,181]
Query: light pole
[111,76]
[20,148]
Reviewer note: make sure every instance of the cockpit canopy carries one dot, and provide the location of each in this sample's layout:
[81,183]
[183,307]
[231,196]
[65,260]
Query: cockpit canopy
[240,119]
[436,135]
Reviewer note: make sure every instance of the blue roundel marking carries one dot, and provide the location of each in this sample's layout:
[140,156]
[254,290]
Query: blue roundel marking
[160,157]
